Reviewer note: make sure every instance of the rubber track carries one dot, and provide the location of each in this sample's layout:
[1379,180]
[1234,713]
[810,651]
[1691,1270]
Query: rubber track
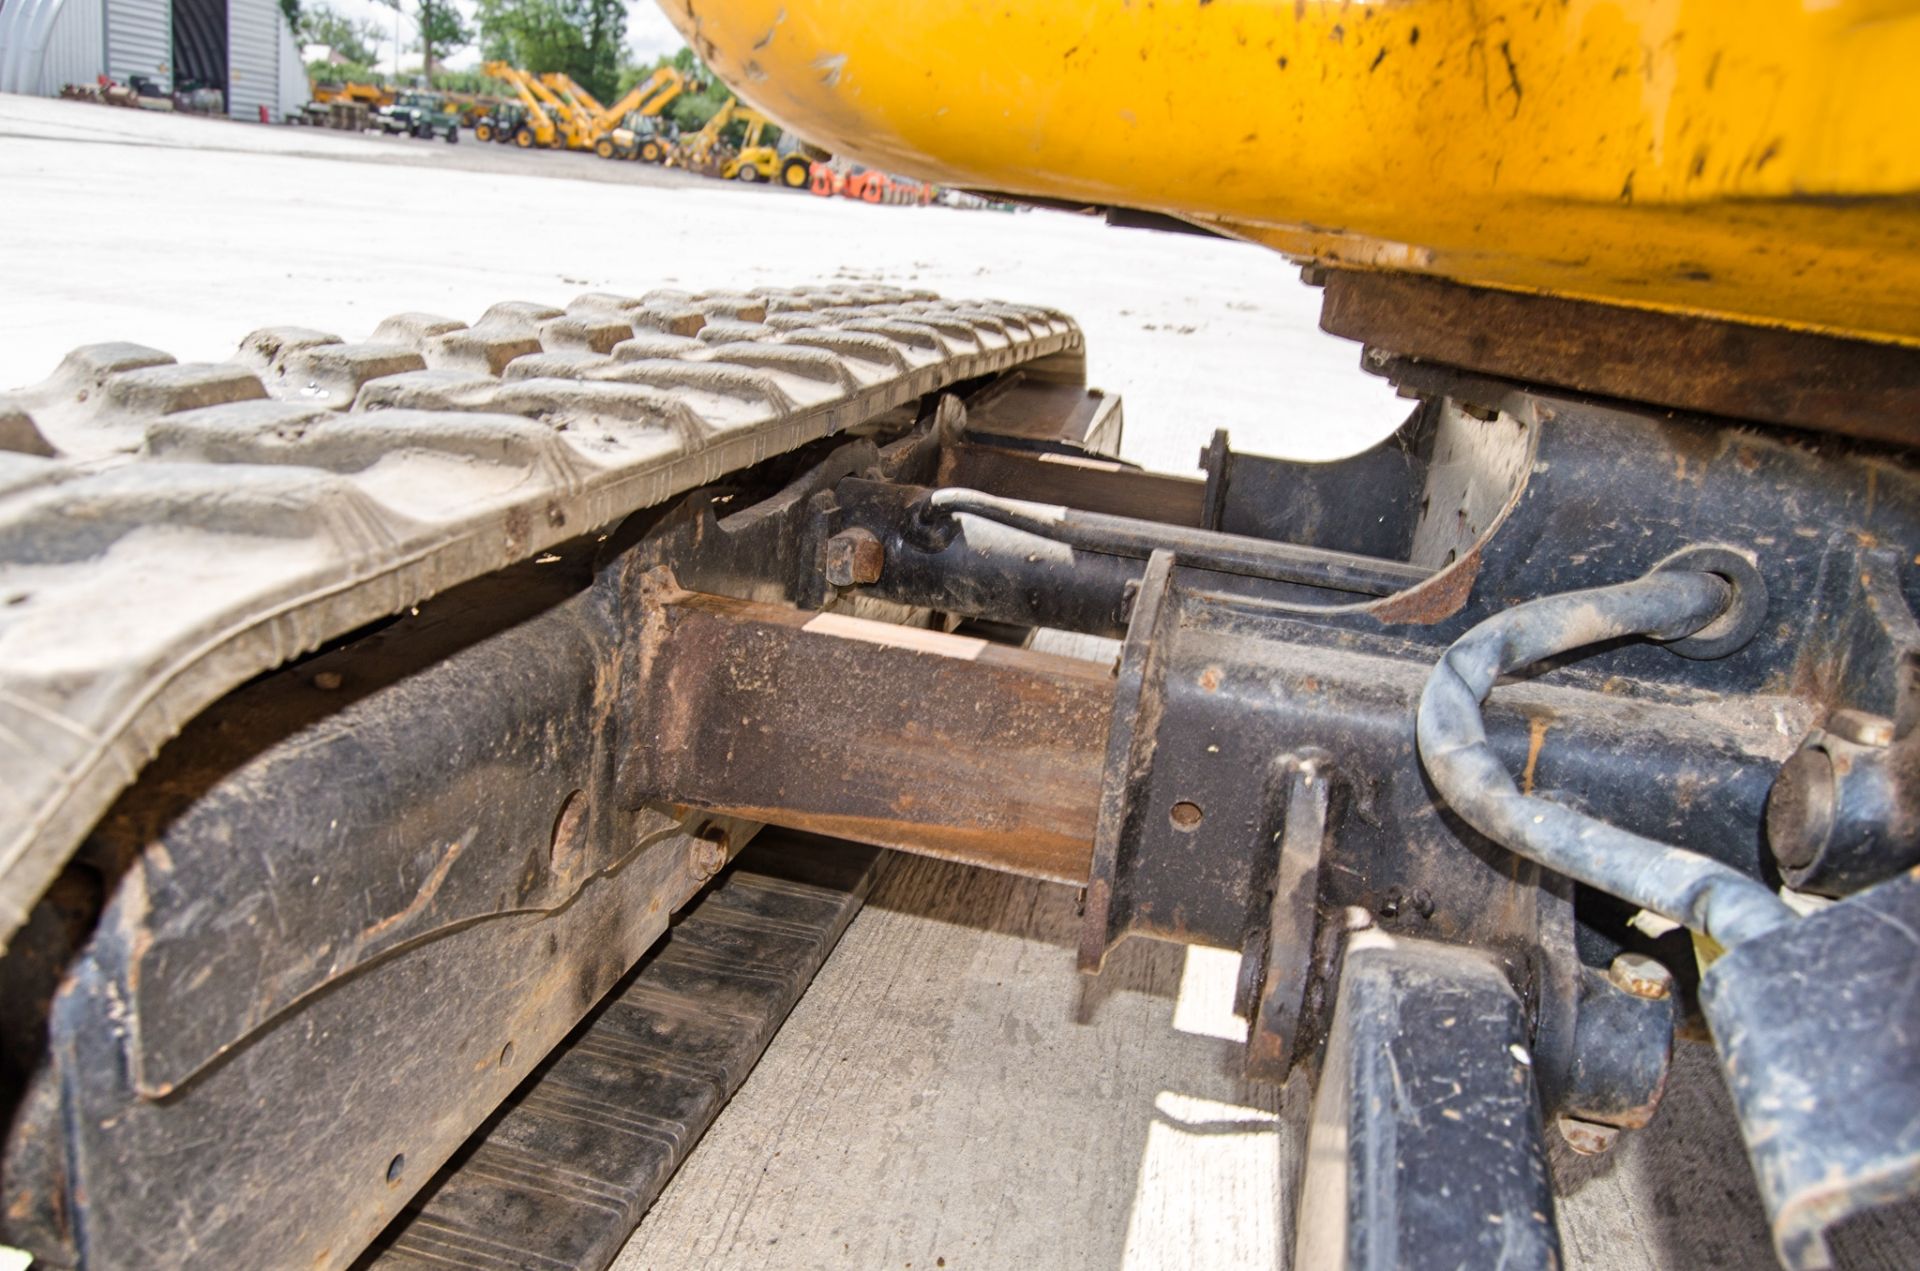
[168,531]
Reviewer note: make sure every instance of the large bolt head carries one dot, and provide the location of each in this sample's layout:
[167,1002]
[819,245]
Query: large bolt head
[854,558]
[1642,976]
[1800,808]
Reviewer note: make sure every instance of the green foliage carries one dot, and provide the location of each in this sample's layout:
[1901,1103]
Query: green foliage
[321,71]
[468,82]
[704,94]
[582,38]
[442,31]
[703,98]
[351,40]
[290,9]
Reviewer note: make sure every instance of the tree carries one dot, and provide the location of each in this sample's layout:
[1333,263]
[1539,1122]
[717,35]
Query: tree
[582,38]
[351,40]
[442,31]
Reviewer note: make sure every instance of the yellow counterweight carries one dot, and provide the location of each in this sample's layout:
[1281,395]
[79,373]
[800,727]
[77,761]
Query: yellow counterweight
[1748,159]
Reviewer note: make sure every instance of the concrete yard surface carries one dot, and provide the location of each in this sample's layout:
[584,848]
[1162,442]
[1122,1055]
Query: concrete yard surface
[185,234]
[950,1093]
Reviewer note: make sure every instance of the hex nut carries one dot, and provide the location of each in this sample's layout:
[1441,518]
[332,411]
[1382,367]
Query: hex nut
[707,855]
[1588,1138]
[1861,729]
[854,558]
[1642,976]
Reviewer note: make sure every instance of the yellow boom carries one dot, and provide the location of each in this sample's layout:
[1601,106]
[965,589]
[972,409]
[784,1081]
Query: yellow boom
[575,99]
[575,125]
[539,122]
[649,97]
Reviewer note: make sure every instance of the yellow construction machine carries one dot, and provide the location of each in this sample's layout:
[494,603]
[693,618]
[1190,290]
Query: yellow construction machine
[627,127]
[1659,261]
[1726,160]
[571,108]
[365,94]
[548,117]
[527,126]
[574,95]
[710,153]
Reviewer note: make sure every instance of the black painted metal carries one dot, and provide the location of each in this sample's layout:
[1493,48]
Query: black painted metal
[1818,1027]
[1314,504]
[987,569]
[1677,884]
[1317,567]
[1623,1044]
[1233,693]
[1139,689]
[1426,1148]
[1845,812]
[1282,948]
[1505,499]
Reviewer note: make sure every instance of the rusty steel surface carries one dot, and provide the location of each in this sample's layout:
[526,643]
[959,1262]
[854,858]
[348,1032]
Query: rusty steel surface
[931,743]
[1867,390]
[1084,482]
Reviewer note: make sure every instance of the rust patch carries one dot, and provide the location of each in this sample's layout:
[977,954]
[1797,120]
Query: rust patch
[1435,600]
[1210,679]
[423,898]
[1537,727]
[1028,851]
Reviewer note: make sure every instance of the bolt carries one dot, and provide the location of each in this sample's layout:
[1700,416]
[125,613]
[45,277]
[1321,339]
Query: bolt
[1861,728]
[1588,1138]
[707,855]
[854,558]
[1800,809]
[1642,976]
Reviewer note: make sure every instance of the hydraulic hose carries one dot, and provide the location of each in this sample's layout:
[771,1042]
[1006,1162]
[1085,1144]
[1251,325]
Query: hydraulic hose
[1679,885]
[1320,567]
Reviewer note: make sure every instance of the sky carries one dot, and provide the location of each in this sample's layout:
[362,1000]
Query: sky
[649,34]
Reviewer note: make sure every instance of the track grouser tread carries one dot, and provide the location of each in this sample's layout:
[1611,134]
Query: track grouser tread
[168,531]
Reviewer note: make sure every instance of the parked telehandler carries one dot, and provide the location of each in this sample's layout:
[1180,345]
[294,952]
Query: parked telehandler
[712,152]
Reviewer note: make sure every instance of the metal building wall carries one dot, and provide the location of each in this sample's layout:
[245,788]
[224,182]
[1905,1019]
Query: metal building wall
[253,58]
[47,43]
[294,90]
[140,40]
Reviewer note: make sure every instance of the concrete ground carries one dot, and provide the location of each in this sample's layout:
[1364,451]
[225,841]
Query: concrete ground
[950,1093]
[186,233]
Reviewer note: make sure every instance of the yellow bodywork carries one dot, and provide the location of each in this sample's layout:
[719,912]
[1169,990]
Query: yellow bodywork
[649,97]
[1752,159]
[528,90]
